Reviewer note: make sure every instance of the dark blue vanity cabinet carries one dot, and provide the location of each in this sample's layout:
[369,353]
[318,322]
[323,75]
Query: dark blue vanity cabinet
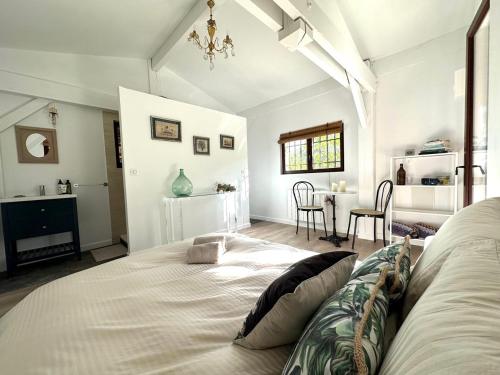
[41,216]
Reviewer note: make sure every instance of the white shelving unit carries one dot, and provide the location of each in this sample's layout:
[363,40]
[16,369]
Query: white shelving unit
[431,204]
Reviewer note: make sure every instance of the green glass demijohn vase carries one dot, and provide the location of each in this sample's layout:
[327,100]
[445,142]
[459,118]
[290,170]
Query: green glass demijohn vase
[182,187]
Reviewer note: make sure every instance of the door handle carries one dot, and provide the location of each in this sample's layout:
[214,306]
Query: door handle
[474,166]
[80,185]
[480,168]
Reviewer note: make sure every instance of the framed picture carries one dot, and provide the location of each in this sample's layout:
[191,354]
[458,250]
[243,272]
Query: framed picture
[227,142]
[118,144]
[201,145]
[165,129]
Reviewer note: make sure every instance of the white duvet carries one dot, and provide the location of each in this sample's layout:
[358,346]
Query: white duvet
[149,313]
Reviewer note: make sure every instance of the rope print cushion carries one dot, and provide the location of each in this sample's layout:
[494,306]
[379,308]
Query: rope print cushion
[346,334]
[395,257]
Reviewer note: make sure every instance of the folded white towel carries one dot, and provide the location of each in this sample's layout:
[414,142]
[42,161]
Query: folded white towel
[206,253]
[206,239]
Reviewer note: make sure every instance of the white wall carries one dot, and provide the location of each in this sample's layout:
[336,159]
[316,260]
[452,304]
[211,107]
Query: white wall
[419,99]
[157,162]
[420,96]
[81,159]
[268,187]
[493,181]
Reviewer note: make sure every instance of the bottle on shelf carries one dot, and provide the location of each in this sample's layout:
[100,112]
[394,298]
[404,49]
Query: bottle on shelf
[401,175]
[68,187]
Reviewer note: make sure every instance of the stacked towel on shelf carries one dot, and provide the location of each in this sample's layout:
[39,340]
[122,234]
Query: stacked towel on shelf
[436,146]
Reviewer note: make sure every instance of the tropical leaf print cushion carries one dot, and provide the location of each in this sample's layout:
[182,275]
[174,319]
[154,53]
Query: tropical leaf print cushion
[395,257]
[346,334]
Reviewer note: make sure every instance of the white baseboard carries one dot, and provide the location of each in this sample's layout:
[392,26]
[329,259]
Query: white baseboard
[96,245]
[238,227]
[243,226]
[302,224]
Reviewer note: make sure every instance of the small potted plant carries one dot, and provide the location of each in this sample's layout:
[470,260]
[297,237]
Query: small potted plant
[224,188]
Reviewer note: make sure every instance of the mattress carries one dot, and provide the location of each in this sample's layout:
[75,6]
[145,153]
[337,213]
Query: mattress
[149,313]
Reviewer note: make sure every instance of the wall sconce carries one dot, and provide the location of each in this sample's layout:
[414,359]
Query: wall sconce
[53,114]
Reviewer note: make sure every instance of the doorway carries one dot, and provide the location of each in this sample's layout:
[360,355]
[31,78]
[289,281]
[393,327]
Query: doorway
[476,107]
[112,145]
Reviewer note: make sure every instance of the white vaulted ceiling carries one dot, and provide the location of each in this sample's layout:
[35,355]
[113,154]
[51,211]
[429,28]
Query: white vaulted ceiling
[384,27]
[128,28]
[261,71]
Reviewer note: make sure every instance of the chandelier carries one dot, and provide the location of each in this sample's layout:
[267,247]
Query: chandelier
[211,44]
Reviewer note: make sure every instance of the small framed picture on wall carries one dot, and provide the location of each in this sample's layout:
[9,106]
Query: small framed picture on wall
[201,145]
[227,142]
[165,129]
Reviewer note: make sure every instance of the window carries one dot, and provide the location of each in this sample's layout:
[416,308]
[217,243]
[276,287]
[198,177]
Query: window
[313,150]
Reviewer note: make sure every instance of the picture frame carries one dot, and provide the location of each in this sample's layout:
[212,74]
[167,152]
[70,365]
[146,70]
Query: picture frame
[226,142]
[36,145]
[166,129]
[201,145]
[118,144]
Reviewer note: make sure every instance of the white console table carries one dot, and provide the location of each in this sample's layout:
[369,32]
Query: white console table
[206,207]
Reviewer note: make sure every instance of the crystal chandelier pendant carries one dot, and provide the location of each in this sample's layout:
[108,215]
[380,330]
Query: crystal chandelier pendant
[211,43]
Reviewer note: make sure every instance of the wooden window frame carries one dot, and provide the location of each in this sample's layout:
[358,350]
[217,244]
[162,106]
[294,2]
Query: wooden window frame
[310,169]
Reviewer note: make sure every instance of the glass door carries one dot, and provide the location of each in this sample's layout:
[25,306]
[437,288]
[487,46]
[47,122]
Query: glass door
[476,115]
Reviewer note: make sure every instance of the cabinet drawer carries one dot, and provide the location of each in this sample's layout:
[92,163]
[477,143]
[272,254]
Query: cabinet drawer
[39,209]
[35,226]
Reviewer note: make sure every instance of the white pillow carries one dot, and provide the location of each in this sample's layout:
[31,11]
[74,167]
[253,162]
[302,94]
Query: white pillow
[453,328]
[479,221]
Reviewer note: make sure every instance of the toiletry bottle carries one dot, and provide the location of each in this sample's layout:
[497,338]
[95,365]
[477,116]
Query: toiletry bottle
[401,180]
[68,187]
[61,187]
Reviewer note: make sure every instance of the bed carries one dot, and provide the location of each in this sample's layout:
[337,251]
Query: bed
[149,313]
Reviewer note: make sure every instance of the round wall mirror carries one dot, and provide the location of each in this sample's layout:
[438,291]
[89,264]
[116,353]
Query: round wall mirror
[37,145]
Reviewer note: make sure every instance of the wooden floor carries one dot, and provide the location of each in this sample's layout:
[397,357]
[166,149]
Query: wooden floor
[285,234]
[14,289]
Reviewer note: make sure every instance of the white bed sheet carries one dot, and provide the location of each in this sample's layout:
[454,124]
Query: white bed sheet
[149,313]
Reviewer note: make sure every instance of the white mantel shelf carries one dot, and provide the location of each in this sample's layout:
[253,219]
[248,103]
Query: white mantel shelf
[37,198]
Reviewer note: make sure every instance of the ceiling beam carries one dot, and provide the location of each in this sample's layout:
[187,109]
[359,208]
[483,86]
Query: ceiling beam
[55,91]
[323,60]
[296,35]
[333,37]
[266,11]
[20,113]
[359,102]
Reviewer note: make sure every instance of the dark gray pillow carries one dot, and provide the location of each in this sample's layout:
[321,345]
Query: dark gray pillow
[285,307]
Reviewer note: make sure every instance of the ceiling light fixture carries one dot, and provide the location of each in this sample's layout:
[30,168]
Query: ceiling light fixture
[211,44]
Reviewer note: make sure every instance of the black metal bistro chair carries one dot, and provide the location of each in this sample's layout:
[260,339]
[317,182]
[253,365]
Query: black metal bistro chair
[304,201]
[384,193]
